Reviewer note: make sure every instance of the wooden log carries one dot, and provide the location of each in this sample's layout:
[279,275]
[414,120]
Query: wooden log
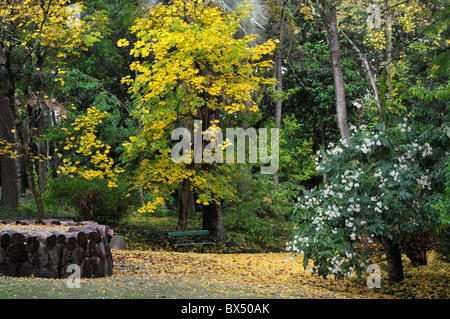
[51,221]
[86,222]
[27,270]
[16,252]
[40,257]
[62,272]
[50,242]
[77,256]
[87,269]
[91,248]
[48,272]
[17,237]
[98,267]
[5,241]
[46,237]
[58,255]
[95,235]
[8,268]
[2,254]
[82,239]
[32,244]
[60,238]
[101,250]
[102,229]
[109,265]
[71,243]
[67,222]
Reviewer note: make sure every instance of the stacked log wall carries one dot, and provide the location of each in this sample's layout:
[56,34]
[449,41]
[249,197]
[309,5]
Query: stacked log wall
[47,254]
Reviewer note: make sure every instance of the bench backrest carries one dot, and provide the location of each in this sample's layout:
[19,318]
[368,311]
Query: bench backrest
[189,233]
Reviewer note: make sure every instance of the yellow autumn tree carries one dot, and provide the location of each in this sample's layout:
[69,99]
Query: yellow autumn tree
[37,37]
[87,144]
[189,66]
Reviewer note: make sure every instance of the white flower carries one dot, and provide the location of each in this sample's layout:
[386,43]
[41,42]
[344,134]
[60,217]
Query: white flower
[353,236]
[423,182]
[348,223]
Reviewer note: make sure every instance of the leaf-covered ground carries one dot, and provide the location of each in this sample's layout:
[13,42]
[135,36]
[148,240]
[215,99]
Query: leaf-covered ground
[272,275]
[149,268]
[269,275]
[163,274]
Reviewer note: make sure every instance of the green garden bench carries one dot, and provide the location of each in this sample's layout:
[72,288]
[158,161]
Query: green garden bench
[191,233]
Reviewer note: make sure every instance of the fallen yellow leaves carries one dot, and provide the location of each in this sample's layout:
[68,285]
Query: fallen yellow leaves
[30,228]
[161,274]
[270,275]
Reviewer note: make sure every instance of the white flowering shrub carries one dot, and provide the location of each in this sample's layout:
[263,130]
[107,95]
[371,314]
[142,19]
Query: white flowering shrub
[379,185]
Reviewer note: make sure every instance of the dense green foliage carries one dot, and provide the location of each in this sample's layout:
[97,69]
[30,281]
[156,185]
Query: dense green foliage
[89,200]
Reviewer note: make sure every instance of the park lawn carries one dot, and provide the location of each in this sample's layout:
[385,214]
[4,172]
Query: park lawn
[180,275]
[243,267]
[162,274]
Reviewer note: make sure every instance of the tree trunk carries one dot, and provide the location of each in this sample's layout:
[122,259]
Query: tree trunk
[23,138]
[279,91]
[41,146]
[212,213]
[212,220]
[10,195]
[184,208]
[371,77]
[394,260]
[387,9]
[279,85]
[385,80]
[28,164]
[327,12]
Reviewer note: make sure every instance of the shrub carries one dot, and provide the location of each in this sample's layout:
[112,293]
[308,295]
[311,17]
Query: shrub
[442,244]
[380,186]
[259,205]
[91,199]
